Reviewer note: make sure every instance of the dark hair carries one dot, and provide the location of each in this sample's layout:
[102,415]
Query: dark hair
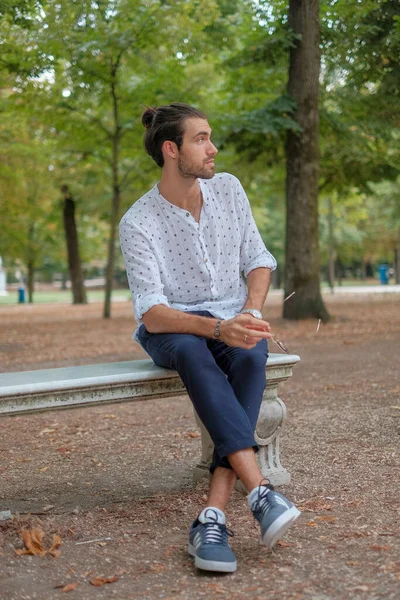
[166,123]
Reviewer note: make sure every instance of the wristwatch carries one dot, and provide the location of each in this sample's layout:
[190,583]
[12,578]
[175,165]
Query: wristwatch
[252,311]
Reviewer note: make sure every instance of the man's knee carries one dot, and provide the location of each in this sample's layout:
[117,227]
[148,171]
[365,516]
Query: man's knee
[190,348]
[251,362]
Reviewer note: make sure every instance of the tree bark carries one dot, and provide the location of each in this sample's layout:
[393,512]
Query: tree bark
[116,194]
[331,276]
[31,282]
[30,262]
[397,264]
[74,259]
[302,168]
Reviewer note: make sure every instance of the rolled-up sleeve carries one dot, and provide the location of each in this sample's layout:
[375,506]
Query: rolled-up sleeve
[253,253]
[142,270]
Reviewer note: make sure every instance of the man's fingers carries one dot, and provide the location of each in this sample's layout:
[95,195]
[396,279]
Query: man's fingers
[249,320]
[257,333]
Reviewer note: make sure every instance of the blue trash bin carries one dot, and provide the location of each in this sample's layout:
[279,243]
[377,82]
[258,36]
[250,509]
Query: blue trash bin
[21,295]
[383,274]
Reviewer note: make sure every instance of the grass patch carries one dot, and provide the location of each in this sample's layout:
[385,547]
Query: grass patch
[62,297]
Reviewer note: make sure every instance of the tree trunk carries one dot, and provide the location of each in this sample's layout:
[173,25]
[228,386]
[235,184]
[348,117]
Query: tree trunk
[331,276]
[111,250]
[302,168]
[30,261]
[31,284]
[397,264]
[74,259]
[116,196]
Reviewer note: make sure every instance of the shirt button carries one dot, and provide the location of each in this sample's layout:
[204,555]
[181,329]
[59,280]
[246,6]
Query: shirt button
[206,260]
[188,214]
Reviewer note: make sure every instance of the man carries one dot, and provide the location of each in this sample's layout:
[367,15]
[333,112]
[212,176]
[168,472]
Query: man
[188,245]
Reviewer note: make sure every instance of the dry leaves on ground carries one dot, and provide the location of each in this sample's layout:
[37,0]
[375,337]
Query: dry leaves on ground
[99,581]
[32,539]
[70,587]
[314,505]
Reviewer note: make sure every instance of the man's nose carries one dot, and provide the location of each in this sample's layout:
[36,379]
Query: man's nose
[212,149]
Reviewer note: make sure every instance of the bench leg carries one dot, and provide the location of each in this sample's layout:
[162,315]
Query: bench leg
[269,426]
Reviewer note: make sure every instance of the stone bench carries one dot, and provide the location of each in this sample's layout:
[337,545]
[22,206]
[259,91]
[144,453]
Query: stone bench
[67,387]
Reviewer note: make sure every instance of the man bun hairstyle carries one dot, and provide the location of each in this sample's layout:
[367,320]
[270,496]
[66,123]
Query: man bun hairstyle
[148,117]
[164,123]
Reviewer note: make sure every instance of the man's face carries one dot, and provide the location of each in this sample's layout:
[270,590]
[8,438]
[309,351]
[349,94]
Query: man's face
[196,155]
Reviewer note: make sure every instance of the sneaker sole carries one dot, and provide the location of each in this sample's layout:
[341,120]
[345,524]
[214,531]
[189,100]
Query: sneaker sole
[212,565]
[279,526]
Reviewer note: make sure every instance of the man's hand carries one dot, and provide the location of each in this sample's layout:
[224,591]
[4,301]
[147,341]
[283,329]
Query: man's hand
[244,331]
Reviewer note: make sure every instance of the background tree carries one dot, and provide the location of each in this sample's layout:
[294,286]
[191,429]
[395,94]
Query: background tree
[29,224]
[302,274]
[71,236]
[82,73]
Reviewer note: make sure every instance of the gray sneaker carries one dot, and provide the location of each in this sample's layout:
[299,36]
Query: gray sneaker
[209,545]
[274,512]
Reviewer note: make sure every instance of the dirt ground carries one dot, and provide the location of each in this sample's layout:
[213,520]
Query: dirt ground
[121,474]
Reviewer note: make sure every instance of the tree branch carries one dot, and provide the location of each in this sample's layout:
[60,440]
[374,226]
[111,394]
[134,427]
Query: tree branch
[91,119]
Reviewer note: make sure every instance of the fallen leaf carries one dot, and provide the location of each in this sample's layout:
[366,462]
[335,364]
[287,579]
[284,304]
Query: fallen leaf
[361,588]
[216,588]
[47,430]
[311,524]
[326,518]
[157,568]
[54,548]
[192,434]
[70,587]
[63,450]
[314,505]
[378,548]
[44,469]
[99,581]
[354,534]
[32,539]
[285,544]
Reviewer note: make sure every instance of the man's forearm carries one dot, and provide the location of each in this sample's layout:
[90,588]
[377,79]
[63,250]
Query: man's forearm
[163,319]
[239,331]
[258,282]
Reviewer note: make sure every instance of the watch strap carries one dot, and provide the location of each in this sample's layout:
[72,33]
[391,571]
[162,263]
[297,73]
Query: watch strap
[252,311]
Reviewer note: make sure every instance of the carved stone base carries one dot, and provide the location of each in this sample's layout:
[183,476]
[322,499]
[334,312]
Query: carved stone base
[269,426]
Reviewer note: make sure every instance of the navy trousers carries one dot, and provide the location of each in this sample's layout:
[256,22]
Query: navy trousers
[225,384]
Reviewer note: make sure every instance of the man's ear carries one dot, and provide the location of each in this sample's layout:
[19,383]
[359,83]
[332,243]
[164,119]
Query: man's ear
[170,149]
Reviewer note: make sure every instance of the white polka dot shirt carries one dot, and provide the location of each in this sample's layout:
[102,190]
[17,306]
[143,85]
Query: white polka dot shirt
[171,259]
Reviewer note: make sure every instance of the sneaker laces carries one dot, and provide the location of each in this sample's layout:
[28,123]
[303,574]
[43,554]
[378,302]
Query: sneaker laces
[216,533]
[261,504]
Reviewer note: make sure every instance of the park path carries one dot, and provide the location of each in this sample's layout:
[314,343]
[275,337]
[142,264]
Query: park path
[124,471]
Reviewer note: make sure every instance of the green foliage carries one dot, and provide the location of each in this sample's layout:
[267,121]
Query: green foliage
[75,77]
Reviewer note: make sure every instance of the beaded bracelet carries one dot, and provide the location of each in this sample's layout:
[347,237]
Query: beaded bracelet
[216,331]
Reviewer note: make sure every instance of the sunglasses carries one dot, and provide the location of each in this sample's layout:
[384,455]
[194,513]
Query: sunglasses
[279,344]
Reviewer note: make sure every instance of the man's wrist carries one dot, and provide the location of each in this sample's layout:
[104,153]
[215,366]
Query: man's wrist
[217,332]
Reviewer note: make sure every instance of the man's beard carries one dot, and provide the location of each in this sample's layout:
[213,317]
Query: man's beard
[187,170]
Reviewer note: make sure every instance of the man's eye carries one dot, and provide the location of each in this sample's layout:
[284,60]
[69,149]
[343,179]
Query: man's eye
[200,140]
